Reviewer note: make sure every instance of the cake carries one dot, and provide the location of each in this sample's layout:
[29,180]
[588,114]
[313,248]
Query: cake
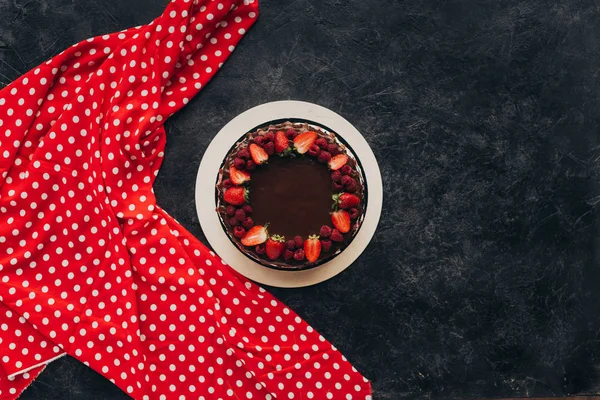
[291,195]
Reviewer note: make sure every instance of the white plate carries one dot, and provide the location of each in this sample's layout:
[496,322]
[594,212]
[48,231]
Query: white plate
[216,153]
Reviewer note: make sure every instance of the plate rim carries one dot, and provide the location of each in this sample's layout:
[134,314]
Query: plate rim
[206,205]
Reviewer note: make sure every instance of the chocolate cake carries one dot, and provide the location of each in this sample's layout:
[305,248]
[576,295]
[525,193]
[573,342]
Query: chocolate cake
[291,195]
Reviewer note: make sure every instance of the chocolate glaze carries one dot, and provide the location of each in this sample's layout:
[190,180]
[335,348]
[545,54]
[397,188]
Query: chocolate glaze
[293,195]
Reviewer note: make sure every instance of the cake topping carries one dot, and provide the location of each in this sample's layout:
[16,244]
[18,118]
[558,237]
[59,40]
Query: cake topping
[282,143]
[259,155]
[346,200]
[255,236]
[325,231]
[324,156]
[336,236]
[269,148]
[341,221]
[303,141]
[239,232]
[299,255]
[238,176]
[312,248]
[236,196]
[338,162]
[275,246]
[326,245]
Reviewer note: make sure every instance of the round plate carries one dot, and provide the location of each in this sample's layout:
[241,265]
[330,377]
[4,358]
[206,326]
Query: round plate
[209,169]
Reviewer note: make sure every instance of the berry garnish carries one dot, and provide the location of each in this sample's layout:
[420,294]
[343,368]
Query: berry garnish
[352,187]
[240,215]
[336,236]
[312,248]
[353,212]
[337,186]
[255,236]
[238,176]
[341,220]
[259,140]
[333,149]
[244,153]
[346,170]
[282,143]
[236,196]
[338,162]
[259,155]
[290,244]
[239,232]
[336,176]
[269,137]
[275,246]
[247,208]
[260,249]
[314,150]
[324,156]
[299,255]
[325,231]
[346,180]
[269,148]
[303,141]
[248,223]
[227,183]
[288,254]
[346,200]
[326,245]
[250,165]
[321,142]
[230,210]
[299,242]
[233,221]
[291,134]
[239,163]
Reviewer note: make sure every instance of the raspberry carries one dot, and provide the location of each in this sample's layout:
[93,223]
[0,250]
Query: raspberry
[333,149]
[352,187]
[346,170]
[247,208]
[314,150]
[269,148]
[240,215]
[269,137]
[244,153]
[324,156]
[288,255]
[291,134]
[336,176]
[250,165]
[239,163]
[326,245]
[230,210]
[260,249]
[291,244]
[325,231]
[227,183]
[299,241]
[353,213]
[299,255]
[337,186]
[248,223]
[239,232]
[233,221]
[321,142]
[336,236]
[259,140]
[346,180]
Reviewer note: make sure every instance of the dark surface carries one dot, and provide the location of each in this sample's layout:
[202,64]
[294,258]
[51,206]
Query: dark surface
[483,279]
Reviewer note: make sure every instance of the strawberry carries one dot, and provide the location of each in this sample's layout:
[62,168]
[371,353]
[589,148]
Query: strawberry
[281,142]
[291,134]
[269,137]
[259,156]
[260,249]
[336,236]
[303,141]
[240,215]
[326,245]
[255,236]
[244,153]
[299,255]
[275,246]
[238,176]
[325,231]
[321,142]
[324,156]
[346,170]
[353,212]
[336,176]
[227,183]
[333,149]
[269,148]
[230,210]
[247,208]
[341,220]
[288,255]
[239,232]
[299,242]
[236,196]
[314,150]
[312,248]
[338,162]
[346,200]
[291,245]
[250,165]
[248,223]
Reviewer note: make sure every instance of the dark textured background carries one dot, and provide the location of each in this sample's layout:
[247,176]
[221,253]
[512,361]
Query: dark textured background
[483,279]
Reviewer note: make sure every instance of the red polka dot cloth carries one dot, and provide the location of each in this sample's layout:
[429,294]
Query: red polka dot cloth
[91,267]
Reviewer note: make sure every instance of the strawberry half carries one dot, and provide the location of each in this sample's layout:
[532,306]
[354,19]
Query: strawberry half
[281,142]
[236,196]
[258,154]
[255,236]
[346,200]
[303,141]
[312,248]
[341,220]
[275,247]
[338,162]
[238,176]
